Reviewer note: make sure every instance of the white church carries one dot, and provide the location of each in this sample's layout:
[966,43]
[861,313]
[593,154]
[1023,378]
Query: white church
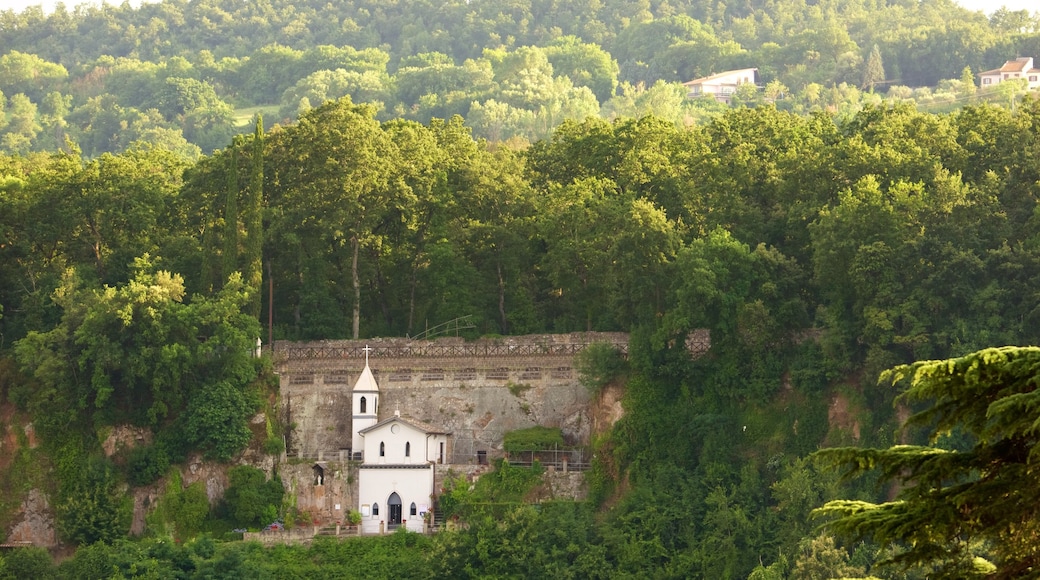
[396,475]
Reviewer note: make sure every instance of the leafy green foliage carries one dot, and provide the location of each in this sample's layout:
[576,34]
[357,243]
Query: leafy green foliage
[554,539]
[181,511]
[532,439]
[29,562]
[90,507]
[951,499]
[251,499]
[492,495]
[819,557]
[218,420]
[157,557]
[146,464]
[140,352]
[599,364]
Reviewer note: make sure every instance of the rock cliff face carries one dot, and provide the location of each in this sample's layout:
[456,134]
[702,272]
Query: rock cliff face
[325,500]
[34,522]
[29,514]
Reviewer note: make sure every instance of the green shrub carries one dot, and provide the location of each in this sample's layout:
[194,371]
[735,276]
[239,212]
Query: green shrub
[533,439]
[249,499]
[218,420]
[146,464]
[599,364]
[188,510]
[353,517]
[517,389]
[29,562]
[90,507]
[274,446]
[508,482]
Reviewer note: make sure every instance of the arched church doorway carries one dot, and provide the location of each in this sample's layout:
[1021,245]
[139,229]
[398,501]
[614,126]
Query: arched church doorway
[394,506]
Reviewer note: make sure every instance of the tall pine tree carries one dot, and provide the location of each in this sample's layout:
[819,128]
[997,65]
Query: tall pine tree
[873,70]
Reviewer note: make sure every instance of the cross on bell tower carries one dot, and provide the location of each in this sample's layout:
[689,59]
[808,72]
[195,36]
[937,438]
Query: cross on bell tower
[364,403]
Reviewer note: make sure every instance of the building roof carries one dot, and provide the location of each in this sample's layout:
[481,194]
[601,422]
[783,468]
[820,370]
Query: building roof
[418,425]
[1017,65]
[717,76]
[1021,65]
[366,383]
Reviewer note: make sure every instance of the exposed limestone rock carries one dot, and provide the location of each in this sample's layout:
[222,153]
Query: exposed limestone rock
[145,499]
[34,522]
[569,485]
[327,502]
[125,437]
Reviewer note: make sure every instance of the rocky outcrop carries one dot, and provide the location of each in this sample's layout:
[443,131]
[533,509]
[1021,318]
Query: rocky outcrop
[324,491]
[34,522]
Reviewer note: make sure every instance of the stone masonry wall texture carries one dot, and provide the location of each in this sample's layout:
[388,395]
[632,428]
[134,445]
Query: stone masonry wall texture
[476,390]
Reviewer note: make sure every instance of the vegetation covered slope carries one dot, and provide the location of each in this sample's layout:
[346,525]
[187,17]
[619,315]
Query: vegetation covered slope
[183,74]
[815,251]
[818,249]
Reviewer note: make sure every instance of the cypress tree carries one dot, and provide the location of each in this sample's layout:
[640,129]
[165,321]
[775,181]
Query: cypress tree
[253,275]
[230,254]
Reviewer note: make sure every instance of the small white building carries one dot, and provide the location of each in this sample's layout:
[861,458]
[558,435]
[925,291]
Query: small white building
[1020,68]
[396,476]
[721,85]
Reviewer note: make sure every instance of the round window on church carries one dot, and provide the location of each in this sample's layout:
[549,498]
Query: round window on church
[395,428]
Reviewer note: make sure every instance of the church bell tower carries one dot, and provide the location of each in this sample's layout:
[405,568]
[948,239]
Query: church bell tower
[364,405]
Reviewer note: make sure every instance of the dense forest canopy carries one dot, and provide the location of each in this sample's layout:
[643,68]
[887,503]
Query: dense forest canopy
[174,73]
[815,251]
[496,162]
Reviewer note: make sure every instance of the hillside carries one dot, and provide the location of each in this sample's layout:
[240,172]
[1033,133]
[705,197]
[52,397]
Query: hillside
[180,74]
[819,240]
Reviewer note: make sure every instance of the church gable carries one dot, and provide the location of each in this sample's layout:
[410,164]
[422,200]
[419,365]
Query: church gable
[395,441]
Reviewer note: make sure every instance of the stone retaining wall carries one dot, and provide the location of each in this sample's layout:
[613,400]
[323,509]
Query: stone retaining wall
[476,390]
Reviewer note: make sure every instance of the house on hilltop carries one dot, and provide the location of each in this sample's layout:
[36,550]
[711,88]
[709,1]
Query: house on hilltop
[1020,68]
[721,85]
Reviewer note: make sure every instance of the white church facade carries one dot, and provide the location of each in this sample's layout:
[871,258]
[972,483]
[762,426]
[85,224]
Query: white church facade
[398,458]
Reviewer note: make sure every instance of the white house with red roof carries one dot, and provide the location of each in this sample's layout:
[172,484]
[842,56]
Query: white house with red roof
[1020,68]
[721,85]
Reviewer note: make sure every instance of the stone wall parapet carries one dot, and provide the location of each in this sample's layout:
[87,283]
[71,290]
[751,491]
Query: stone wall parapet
[510,352]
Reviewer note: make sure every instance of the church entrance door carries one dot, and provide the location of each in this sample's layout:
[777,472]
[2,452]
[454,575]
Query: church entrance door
[394,505]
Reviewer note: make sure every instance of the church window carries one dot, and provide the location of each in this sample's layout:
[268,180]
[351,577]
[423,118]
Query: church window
[407,448]
[375,509]
[411,510]
[364,404]
[382,449]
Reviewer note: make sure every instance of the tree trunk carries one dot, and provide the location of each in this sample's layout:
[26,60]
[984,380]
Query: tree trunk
[356,327]
[502,299]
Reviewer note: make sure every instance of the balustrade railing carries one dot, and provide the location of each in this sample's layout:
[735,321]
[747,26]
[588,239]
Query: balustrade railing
[420,350]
